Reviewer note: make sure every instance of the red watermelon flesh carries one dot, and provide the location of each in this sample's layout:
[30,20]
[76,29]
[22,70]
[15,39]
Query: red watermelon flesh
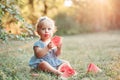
[66,70]
[93,68]
[57,40]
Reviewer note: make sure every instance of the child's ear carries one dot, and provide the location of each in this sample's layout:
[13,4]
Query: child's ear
[38,33]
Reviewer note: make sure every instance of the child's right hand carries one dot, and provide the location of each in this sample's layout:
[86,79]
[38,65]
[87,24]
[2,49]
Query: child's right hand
[57,40]
[59,45]
[50,45]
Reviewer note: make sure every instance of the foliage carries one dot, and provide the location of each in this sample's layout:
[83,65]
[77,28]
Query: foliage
[10,14]
[81,17]
[9,6]
[66,24]
[3,34]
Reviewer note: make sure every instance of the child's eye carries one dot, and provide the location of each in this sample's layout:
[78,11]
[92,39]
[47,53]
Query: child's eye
[43,28]
[49,28]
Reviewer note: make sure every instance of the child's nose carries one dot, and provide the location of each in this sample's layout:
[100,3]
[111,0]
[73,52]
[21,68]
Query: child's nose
[46,30]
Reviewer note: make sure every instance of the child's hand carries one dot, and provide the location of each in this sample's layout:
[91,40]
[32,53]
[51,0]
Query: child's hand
[59,45]
[57,40]
[50,45]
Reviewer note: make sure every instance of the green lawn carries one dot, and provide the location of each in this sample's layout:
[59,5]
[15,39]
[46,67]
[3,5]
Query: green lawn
[102,49]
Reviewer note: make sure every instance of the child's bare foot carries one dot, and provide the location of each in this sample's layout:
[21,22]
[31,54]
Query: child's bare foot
[35,74]
[58,73]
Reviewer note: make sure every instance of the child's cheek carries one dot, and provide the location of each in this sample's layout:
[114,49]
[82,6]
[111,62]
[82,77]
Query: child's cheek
[43,32]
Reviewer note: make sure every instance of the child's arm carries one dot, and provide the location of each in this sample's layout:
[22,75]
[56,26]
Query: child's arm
[40,52]
[58,52]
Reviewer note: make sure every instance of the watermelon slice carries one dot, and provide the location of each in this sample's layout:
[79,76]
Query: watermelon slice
[57,40]
[66,70]
[93,68]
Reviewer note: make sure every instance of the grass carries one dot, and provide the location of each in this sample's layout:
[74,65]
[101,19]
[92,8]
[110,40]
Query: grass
[102,49]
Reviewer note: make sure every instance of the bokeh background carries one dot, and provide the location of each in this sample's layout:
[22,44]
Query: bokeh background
[18,17]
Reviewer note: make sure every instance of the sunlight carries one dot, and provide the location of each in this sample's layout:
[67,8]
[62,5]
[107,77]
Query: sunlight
[102,1]
[102,10]
[68,3]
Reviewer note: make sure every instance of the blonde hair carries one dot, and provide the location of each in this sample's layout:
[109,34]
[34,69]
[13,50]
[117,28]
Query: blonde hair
[45,21]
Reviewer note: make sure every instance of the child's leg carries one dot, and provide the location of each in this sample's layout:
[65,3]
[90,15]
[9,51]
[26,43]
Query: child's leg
[45,66]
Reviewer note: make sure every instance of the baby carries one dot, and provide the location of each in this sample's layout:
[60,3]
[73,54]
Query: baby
[45,52]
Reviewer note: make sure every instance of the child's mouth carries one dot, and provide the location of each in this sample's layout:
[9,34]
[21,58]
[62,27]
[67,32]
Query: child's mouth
[46,35]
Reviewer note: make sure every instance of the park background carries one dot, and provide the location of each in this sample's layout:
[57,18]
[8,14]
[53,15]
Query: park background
[90,31]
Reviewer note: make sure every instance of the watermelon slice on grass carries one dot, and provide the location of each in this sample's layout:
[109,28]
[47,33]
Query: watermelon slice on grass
[57,40]
[93,68]
[67,70]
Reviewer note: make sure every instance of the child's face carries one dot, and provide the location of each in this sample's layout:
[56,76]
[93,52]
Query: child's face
[46,32]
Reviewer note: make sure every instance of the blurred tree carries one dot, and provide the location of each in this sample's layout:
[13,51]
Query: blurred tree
[12,10]
[84,15]
[8,13]
[115,16]
[98,15]
[9,8]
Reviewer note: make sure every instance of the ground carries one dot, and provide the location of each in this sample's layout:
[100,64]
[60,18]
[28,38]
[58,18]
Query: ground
[102,49]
